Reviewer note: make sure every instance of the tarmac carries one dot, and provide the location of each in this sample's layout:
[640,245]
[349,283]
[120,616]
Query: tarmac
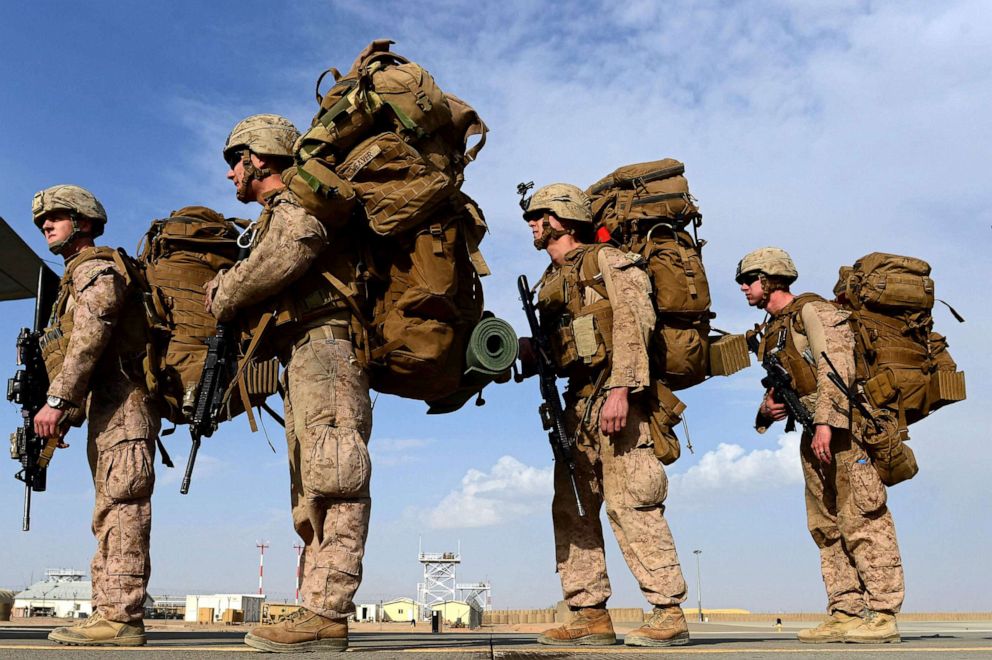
[737,641]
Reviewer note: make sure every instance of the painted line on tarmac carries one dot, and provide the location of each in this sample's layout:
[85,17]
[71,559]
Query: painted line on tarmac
[681,650]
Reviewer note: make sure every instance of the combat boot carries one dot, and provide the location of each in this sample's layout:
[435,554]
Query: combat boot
[98,631]
[666,627]
[832,630]
[876,628]
[590,626]
[302,630]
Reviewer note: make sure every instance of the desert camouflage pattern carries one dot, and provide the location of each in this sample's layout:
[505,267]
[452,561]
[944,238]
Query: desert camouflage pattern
[70,198]
[121,436]
[852,526]
[328,425]
[327,405]
[768,260]
[287,248]
[267,135]
[845,499]
[621,470]
[565,201]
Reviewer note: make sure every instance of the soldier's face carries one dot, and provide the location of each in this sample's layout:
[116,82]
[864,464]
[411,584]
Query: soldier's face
[56,227]
[536,224]
[753,291]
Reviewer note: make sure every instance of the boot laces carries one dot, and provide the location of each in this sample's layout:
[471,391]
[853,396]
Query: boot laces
[92,620]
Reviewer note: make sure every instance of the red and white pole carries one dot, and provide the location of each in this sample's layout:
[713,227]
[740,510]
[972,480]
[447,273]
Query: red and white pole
[261,564]
[299,577]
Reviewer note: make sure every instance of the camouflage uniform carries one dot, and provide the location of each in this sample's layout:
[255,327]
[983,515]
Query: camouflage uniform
[845,499]
[327,405]
[122,429]
[621,469]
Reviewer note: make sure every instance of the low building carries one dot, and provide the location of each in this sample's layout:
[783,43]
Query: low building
[458,613]
[399,609]
[367,612]
[249,606]
[63,593]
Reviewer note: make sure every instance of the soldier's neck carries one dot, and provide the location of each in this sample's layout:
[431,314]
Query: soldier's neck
[558,248]
[778,300]
[267,186]
[75,248]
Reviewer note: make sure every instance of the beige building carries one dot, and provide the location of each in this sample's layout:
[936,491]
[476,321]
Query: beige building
[400,609]
[459,613]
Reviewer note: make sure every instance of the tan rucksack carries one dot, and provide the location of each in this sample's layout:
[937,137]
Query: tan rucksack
[902,364]
[646,208]
[389,147]
[178,255]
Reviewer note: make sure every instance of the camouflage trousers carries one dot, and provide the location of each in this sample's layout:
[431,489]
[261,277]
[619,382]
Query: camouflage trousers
[328,424]
[623,471]
[852,526]
[123,477]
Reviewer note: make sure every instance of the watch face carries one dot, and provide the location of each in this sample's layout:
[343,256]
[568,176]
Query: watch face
[54,402]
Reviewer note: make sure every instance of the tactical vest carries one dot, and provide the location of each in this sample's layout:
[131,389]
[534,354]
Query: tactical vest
[328,289]
[779,333]
[581,335]
[129,346]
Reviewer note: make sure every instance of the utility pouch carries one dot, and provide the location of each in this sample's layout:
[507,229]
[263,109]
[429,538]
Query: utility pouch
[891,456]
[322,193]
[665,412]
[728,355]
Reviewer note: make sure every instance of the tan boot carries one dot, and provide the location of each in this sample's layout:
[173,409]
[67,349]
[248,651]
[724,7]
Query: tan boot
[876,628]
[590,626]
[666,627]
[98,631]
[301,631]
[832,630]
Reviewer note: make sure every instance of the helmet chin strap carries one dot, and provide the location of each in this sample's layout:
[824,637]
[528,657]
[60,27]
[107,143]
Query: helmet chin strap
[251,173]
[549,233]
[765,293]
[60,246]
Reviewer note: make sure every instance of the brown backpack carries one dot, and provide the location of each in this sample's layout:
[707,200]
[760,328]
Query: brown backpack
[177,256]
[646,208]
[388,147]
[902,364]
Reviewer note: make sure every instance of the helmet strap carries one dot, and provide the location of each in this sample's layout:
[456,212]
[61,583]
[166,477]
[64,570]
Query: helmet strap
[549,233]
[252,173]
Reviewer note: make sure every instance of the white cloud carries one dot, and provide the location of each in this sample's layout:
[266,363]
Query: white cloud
[508,491]
[730,469]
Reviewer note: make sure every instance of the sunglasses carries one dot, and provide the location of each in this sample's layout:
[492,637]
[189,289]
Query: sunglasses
[748,278]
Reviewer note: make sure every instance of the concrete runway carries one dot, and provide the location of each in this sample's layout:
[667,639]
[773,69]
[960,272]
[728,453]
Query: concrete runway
[945,641]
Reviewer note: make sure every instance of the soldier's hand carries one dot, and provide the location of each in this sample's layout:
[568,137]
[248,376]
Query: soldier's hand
[613,416]
[527,355]
[208,299]
[46,422]
[771,408]
[821,443]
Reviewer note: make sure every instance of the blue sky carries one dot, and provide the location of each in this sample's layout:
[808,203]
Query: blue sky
[831,129]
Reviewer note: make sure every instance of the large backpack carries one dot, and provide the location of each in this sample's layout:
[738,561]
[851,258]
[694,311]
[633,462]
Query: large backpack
[388,148]
[646,208]
[177,256]
[902,364]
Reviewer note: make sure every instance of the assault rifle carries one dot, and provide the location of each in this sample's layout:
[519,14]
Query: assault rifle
[28,389]
[552,414]
[778,379]
[838,381]
[218,368]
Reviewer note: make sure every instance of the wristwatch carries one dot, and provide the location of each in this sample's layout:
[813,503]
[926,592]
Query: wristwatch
[57,403]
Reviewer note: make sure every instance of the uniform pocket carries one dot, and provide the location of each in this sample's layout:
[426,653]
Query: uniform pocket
[126,471]
[646,482]
[866,488]
[338,465]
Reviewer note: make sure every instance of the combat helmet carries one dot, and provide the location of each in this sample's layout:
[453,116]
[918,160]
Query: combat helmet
[74,200]
[768,261]
[265,135]
[565,201]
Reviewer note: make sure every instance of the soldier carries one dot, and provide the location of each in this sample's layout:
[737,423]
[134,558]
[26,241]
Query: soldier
[294,288]
[845,498]
[93,352]
[595,302]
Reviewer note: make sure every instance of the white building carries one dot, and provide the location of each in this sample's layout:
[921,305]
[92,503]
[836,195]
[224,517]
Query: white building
[366,612]
[63,593]
[250,606]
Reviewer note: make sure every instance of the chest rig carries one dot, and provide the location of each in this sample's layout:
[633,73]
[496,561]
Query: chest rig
[128,348]
[581,335]
[779,334]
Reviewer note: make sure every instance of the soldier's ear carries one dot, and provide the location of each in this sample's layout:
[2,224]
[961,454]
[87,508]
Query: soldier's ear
[85,225]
